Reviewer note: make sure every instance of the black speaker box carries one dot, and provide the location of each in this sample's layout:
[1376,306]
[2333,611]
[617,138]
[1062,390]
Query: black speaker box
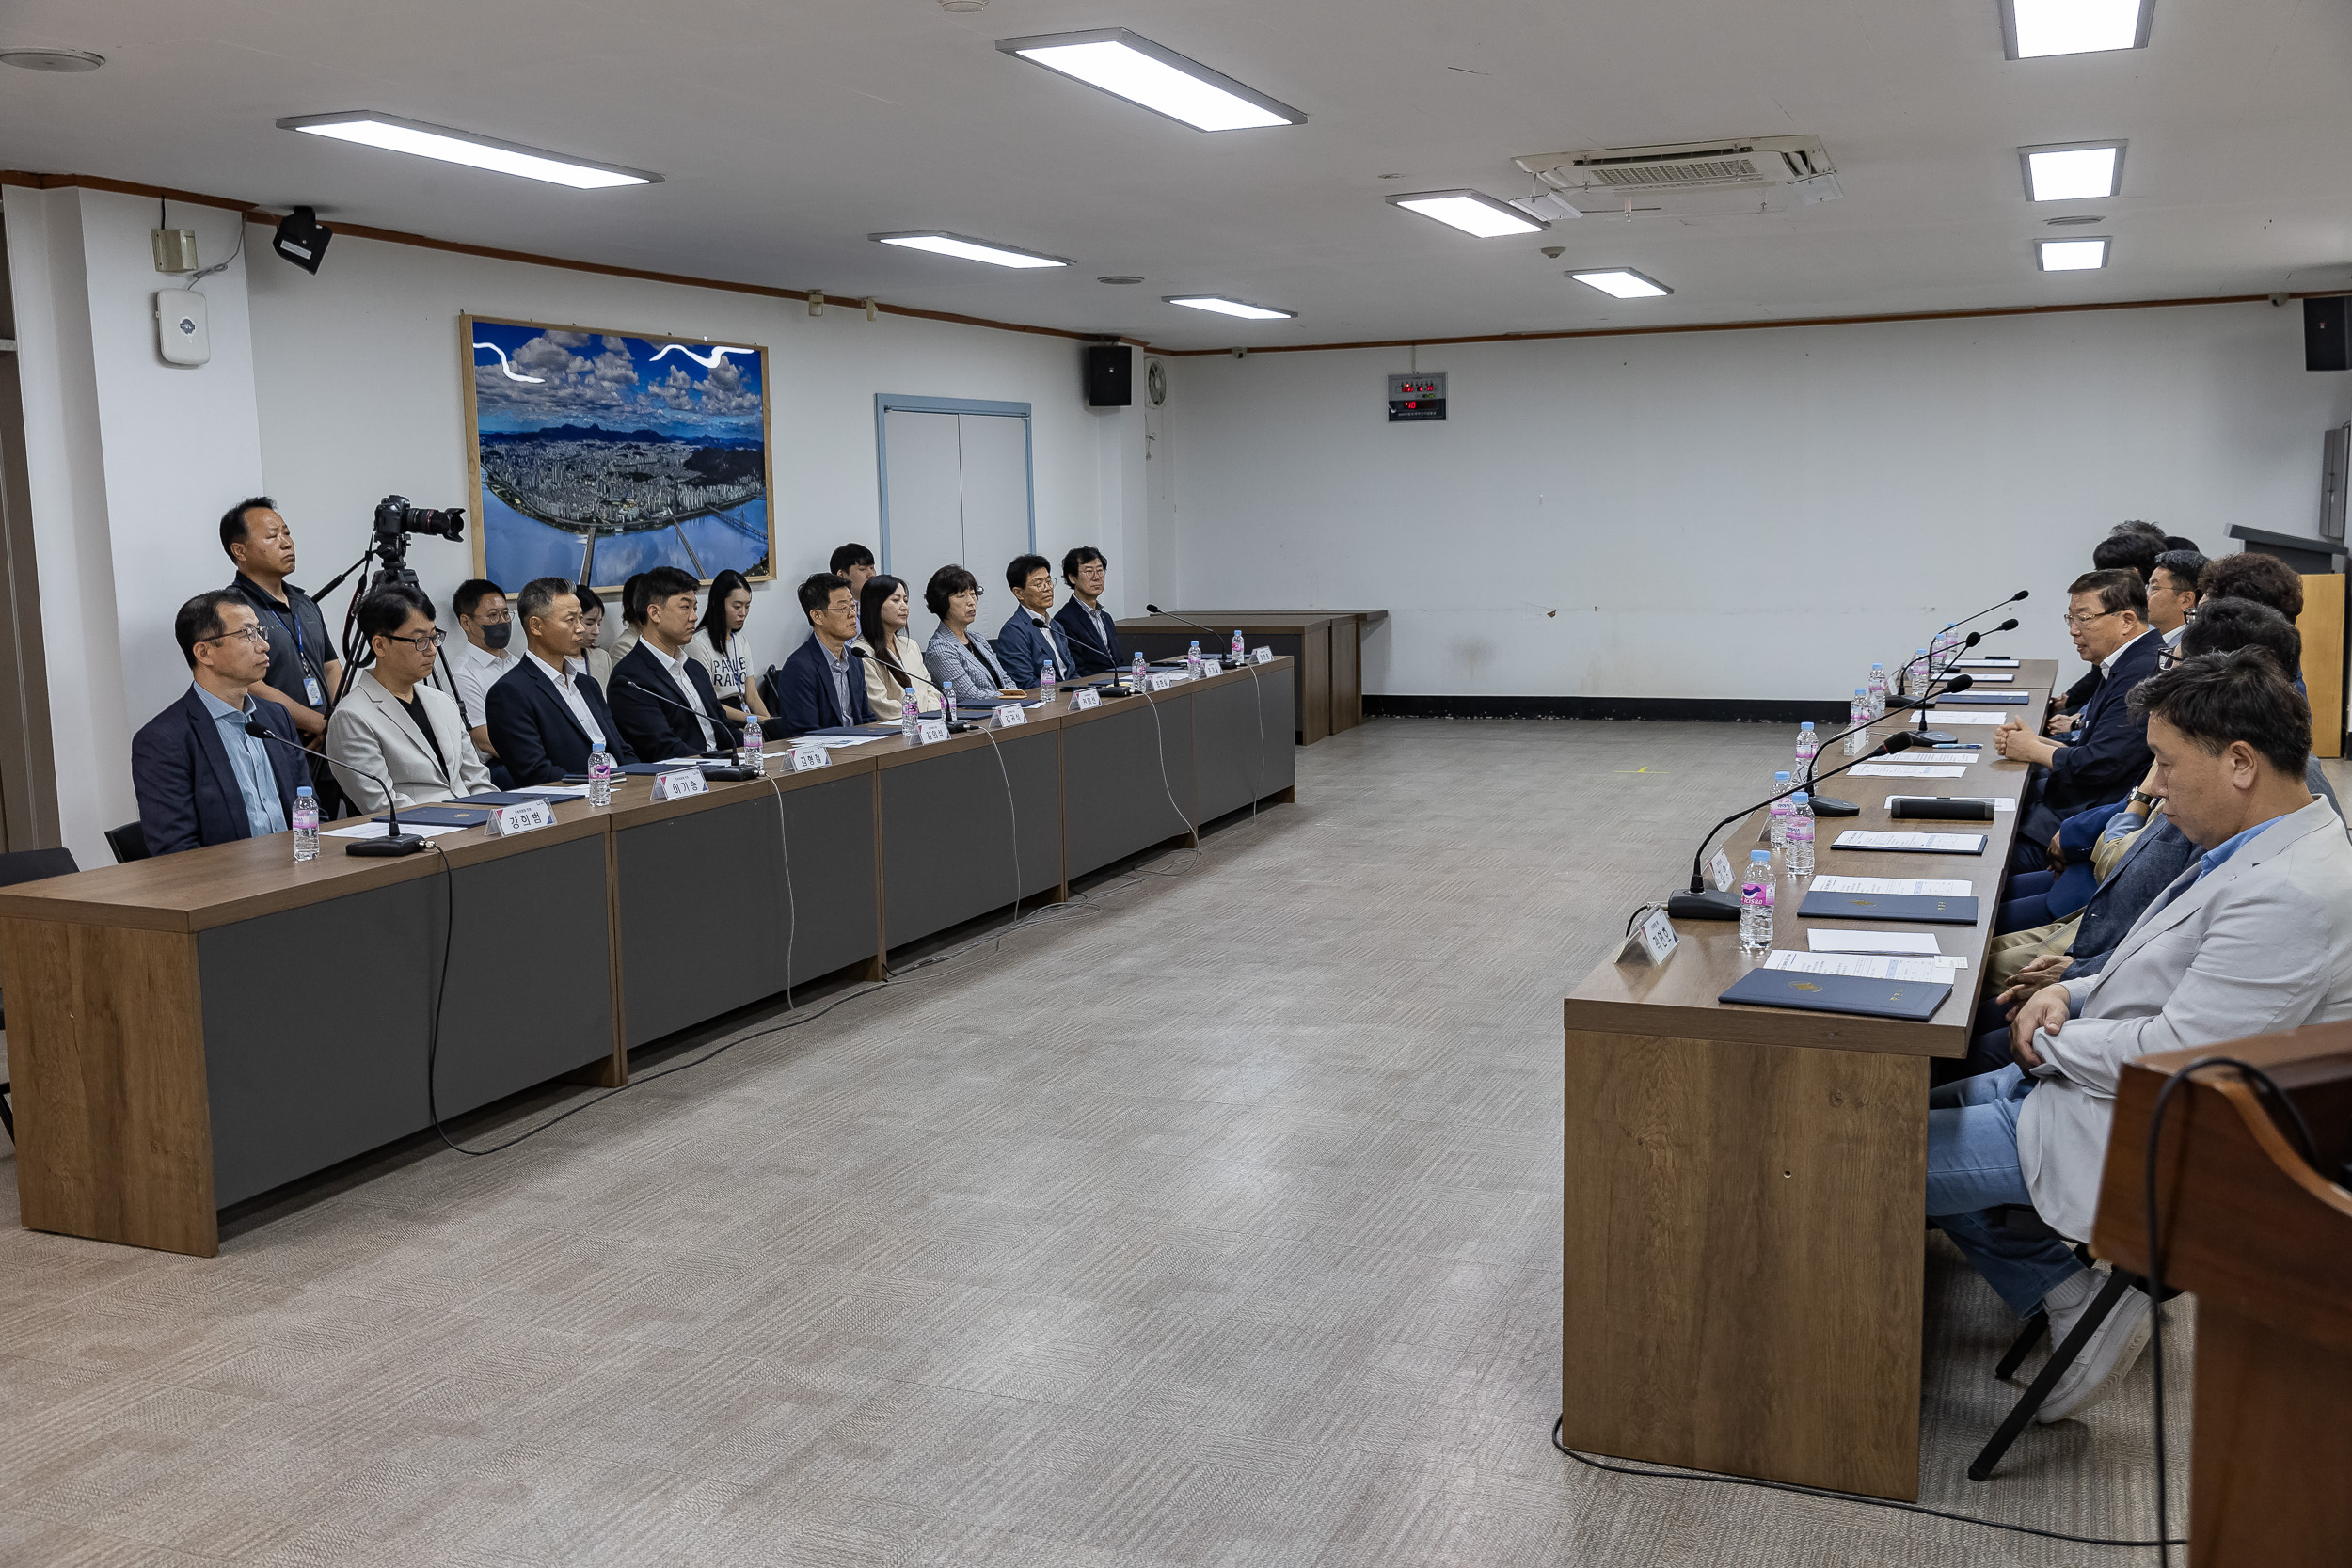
[1110,376]
[2328,333]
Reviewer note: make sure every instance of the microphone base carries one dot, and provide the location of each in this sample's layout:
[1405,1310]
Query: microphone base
[1829,805]
[734,773]
[387,847]
[1933,738]
[1703,905]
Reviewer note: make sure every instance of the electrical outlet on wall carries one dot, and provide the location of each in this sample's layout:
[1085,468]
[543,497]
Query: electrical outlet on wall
[182,336]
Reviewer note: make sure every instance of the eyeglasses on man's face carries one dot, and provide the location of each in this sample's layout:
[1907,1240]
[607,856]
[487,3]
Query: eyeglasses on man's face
[2075,621]
[254,635]
[425,641]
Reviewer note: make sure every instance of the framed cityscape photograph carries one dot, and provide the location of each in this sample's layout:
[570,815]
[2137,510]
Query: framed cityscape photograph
[598,456]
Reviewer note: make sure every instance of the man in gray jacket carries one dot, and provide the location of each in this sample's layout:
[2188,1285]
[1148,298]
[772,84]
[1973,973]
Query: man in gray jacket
[2255,936]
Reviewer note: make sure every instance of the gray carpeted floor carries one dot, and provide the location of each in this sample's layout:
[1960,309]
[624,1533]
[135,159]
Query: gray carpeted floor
[1212,1221]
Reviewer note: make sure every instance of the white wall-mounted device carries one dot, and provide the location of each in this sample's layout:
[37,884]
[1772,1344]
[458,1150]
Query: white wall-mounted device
[182,333]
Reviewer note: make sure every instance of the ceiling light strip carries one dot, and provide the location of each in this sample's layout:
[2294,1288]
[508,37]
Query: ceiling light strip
[963,247]
[393,134]
[1225,307]
[1473,213]
[1129,65]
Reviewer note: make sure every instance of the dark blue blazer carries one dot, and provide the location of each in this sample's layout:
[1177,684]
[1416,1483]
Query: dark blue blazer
[533,729]
[805,699]
[2156,858]
[1021,648]
[655,730]
[187,793]
[1087,651]
[2109,752]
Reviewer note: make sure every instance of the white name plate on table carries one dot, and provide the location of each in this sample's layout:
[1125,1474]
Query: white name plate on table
[1916,844]
[1012,713]
[806,757]
[522,817]
[1163,679]
[676,783]
[1945,716]
[1721,866]
[1085,698]
[1909,770]
[1901,887]
[1261,656]
[1918,971]
[930,732]
[1653,941]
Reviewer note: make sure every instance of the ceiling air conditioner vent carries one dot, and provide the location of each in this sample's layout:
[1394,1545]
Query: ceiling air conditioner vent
[1767,172]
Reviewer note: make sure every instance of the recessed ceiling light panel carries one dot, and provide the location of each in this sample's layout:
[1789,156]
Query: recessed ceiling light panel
[57,63]
[395,135]
[1472,213]
[1622,284]
[965,247]
[2073,171]
[2033,28]
[1128,66]
[2071,255]
[1224,307]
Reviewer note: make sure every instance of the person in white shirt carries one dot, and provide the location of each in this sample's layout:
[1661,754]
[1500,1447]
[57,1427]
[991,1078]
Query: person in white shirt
[718,646]
[2172,593]
[485,660]
[396,727]
[597,660]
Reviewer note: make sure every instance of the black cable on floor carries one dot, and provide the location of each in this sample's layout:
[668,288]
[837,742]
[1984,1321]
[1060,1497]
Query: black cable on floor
[1678,1473]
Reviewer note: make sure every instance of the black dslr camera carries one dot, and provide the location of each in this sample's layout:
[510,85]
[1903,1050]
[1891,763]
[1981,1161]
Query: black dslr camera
[394,518]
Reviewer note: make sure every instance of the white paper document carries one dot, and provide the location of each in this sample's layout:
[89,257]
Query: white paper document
[1945,716]
[1902,944]
[1981,678]
[1998,805]
[1933,844]
[1910,770]
[836,742]
[1990,661]
[1921,971]
[556,792]
[1909,887]
[383,829]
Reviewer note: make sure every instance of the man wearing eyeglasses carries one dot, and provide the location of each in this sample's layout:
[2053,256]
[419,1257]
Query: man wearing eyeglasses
[396,725]
[200,776]
[2106,615]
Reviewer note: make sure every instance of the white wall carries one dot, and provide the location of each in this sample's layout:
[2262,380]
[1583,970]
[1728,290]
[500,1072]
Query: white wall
[1743,514]
[359,373]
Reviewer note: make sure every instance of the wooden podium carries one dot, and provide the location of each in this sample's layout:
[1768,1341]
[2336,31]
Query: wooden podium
[2265,1243]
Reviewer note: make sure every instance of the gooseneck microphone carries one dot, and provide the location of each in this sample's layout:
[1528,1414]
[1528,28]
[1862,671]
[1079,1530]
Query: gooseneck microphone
[1700,902]
[1155,610]
[718,727]
[395,842]
[904,679]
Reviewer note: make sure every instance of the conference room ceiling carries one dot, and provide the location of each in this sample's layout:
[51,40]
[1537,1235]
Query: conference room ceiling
[788,133]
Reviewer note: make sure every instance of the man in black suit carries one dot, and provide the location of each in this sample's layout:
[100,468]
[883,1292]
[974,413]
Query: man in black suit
[202,776]
[545,719]
[664,701]
[2107,616]
[1085,625]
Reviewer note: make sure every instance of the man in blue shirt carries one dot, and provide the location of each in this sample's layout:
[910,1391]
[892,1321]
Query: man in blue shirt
[201,775]
[817,689]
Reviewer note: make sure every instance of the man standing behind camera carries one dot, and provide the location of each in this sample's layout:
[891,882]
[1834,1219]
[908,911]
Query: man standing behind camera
[303,668]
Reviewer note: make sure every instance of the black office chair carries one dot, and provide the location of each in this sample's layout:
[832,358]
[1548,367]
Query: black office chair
[128,842]
[769,690]
[2062,1356]
[28,865]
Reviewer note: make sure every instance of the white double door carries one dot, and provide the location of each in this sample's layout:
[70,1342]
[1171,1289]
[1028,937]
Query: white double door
[958,493]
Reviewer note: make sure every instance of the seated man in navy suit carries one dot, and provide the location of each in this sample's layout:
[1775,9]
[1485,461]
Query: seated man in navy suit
[544,718]
[664,701]
[1029,641]
[2107,616]
[1087,628]
[201,775]
[817,688]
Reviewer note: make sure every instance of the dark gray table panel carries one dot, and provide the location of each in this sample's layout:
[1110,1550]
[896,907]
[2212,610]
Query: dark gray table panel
[1242,732]
[706,917]
[947,835]
[1115,801]
[315,1019]
[1289,645]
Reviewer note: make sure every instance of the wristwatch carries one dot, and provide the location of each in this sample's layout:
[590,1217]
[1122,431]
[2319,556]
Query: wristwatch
[2144,800]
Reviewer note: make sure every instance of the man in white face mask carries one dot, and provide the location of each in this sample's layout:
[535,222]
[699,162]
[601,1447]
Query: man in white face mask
[484,660]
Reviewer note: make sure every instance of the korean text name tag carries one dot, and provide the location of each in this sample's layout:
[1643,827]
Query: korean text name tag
[1261,656]
[520,819]
[930,732]
[806,757]
[1652,941]
[1086,697]
[676,783]
[1014,713]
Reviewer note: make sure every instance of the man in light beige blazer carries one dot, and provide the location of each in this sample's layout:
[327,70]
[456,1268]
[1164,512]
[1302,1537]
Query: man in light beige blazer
[395,725]
[2254,937]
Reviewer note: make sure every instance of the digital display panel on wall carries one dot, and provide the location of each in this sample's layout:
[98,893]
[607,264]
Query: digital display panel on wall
[1416,397]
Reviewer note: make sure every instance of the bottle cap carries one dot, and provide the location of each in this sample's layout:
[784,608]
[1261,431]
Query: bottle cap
[1805,724]
[1759,857]
[303,792]
[1800,798]
[1860,692]
[1780,775]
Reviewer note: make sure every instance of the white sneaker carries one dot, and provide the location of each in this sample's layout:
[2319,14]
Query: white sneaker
[2100,1367]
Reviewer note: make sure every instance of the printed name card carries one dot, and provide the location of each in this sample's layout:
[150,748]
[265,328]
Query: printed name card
[1014,713]
[1083,697]
[1163,679]
[1261,656]
[1721,866]
[1653,941]
[806,757]
[930,732]
[676,783]
[519,818]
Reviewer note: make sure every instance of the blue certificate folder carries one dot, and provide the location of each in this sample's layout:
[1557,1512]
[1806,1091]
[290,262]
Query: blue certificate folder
[1840,993]
[1921,908]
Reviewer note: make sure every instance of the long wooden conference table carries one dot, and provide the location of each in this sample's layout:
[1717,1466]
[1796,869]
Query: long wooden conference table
[192,1031]
[1325,645]
[1742,1260]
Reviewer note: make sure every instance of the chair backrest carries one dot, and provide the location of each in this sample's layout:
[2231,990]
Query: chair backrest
[769,689]
[128,842]
[31,866]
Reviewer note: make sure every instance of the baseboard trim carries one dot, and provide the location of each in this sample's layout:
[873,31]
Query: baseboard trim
[1711,710]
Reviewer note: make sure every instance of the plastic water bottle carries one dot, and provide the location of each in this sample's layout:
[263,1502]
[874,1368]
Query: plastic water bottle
[947,697]
[1912,682]
[1857,716]
[306,824]
[1192,660]
[1808,747]
[1778,810]
[1143,672]
[906,719]
[1241,649]
[753,751]
[1756,903]
[1877,688]
[600,778]
[1799,857]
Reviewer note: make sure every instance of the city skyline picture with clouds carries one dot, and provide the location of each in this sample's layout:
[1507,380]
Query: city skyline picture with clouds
[601,454]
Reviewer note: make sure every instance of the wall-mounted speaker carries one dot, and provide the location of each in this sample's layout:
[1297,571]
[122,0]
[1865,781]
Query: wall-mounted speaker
[2328,333]
[1110,376]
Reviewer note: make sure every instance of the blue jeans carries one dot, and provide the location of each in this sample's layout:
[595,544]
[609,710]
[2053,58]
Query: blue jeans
[1972,1166]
